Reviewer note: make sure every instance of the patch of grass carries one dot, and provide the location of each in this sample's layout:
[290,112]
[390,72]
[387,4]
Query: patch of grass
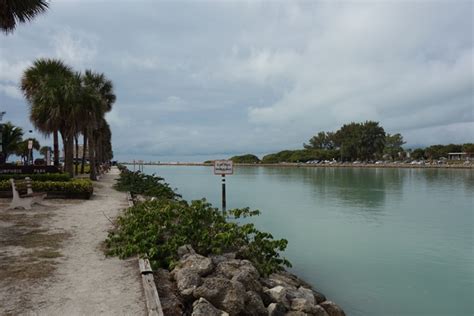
[46,254]
[35,238]
[26,269]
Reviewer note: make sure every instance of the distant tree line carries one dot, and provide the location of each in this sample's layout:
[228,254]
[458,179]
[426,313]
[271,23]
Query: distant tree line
[364,141]
[441,151]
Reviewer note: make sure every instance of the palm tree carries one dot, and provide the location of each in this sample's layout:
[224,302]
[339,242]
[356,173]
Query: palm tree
[14,11]
[23,151]
[99,96]
[44,151]
[44,86]
[12,136]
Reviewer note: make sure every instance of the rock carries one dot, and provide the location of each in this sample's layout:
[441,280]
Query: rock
[196,263]
[202,307]
[278,294]
[254,305]
[319,297]
[285,279]
[168,293]
[332,309]
[303,293]
[249,280]
[232,267]
[276,309]
[303,305]
[296,313]
[186,281]
[185,250]
[223,293]
[216,259]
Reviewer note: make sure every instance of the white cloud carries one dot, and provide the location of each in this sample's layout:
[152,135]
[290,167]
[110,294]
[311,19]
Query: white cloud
[207,77]
[77,48]
[11,91]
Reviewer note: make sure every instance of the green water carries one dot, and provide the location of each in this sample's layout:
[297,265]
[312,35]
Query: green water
[376,241]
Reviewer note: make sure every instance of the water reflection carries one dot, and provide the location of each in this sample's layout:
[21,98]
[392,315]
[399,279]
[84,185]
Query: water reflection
[355,187]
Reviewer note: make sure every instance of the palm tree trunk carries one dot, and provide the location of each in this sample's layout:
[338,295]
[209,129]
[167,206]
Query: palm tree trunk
[93,174]
[68,143]
[56,148]
[76,160]
[84,149]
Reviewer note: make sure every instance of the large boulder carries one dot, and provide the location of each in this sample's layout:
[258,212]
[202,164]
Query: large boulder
[278,294]
[202,307]
[303,305]
[332,309]
[276,309]
[223,293]
[185,250]
[303,293]
[285,279]
[216,259]
[242,271]
[254,305]
[186,281]
[168,293]
[232,267]
[196,263]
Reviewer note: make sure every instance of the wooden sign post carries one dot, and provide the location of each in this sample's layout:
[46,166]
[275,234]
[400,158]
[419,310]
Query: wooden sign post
[223,167]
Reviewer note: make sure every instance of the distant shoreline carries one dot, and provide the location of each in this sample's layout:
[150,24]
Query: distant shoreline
[301,165]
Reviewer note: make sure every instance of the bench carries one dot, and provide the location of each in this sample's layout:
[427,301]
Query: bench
[25,201]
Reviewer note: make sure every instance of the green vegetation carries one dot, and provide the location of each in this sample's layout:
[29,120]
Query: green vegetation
[74,187]
[441,151]
[65,102]
[14,11]
[23,151]
[248,158]
[156,229]
[12,136]
[37,176]
[301,155]
[148,185]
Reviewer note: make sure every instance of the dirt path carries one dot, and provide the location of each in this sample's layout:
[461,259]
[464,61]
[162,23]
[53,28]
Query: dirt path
[80,280]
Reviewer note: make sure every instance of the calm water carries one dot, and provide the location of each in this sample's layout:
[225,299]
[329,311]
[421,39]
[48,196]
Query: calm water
[376,241]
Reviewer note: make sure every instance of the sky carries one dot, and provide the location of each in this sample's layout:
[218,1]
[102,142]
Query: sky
[197,80]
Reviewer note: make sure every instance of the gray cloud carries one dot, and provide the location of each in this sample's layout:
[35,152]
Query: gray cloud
[208,78]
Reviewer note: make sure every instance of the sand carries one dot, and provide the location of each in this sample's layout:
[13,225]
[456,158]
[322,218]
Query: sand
[80,279]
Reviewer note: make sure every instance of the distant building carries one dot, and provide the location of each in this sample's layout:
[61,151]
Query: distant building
[461,156]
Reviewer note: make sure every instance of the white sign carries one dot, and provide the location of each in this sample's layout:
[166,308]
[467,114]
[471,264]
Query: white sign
[223,167]
[30,144]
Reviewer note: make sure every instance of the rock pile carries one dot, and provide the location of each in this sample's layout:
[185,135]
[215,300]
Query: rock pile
[223,285]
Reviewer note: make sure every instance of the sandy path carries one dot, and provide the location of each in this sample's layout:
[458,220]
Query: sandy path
[85,281]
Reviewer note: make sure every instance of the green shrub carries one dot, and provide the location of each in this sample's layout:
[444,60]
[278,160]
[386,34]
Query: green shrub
[72,187]
[248,158]
[148,185]
[156,229]
[37,176]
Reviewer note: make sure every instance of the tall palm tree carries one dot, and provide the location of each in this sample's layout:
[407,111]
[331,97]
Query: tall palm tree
[12,136]
[50,88]
[99,95]
[14,11]
[23,151]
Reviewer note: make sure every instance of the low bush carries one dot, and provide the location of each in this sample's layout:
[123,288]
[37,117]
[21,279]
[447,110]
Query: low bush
[37,176]
[248,158]
[74,187]
[140,183]
[155,229]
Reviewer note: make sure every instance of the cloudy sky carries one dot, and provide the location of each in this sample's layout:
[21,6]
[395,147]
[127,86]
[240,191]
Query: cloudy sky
[202,79]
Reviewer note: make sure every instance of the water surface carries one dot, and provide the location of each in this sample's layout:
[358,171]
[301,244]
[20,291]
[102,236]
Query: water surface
[376,241]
